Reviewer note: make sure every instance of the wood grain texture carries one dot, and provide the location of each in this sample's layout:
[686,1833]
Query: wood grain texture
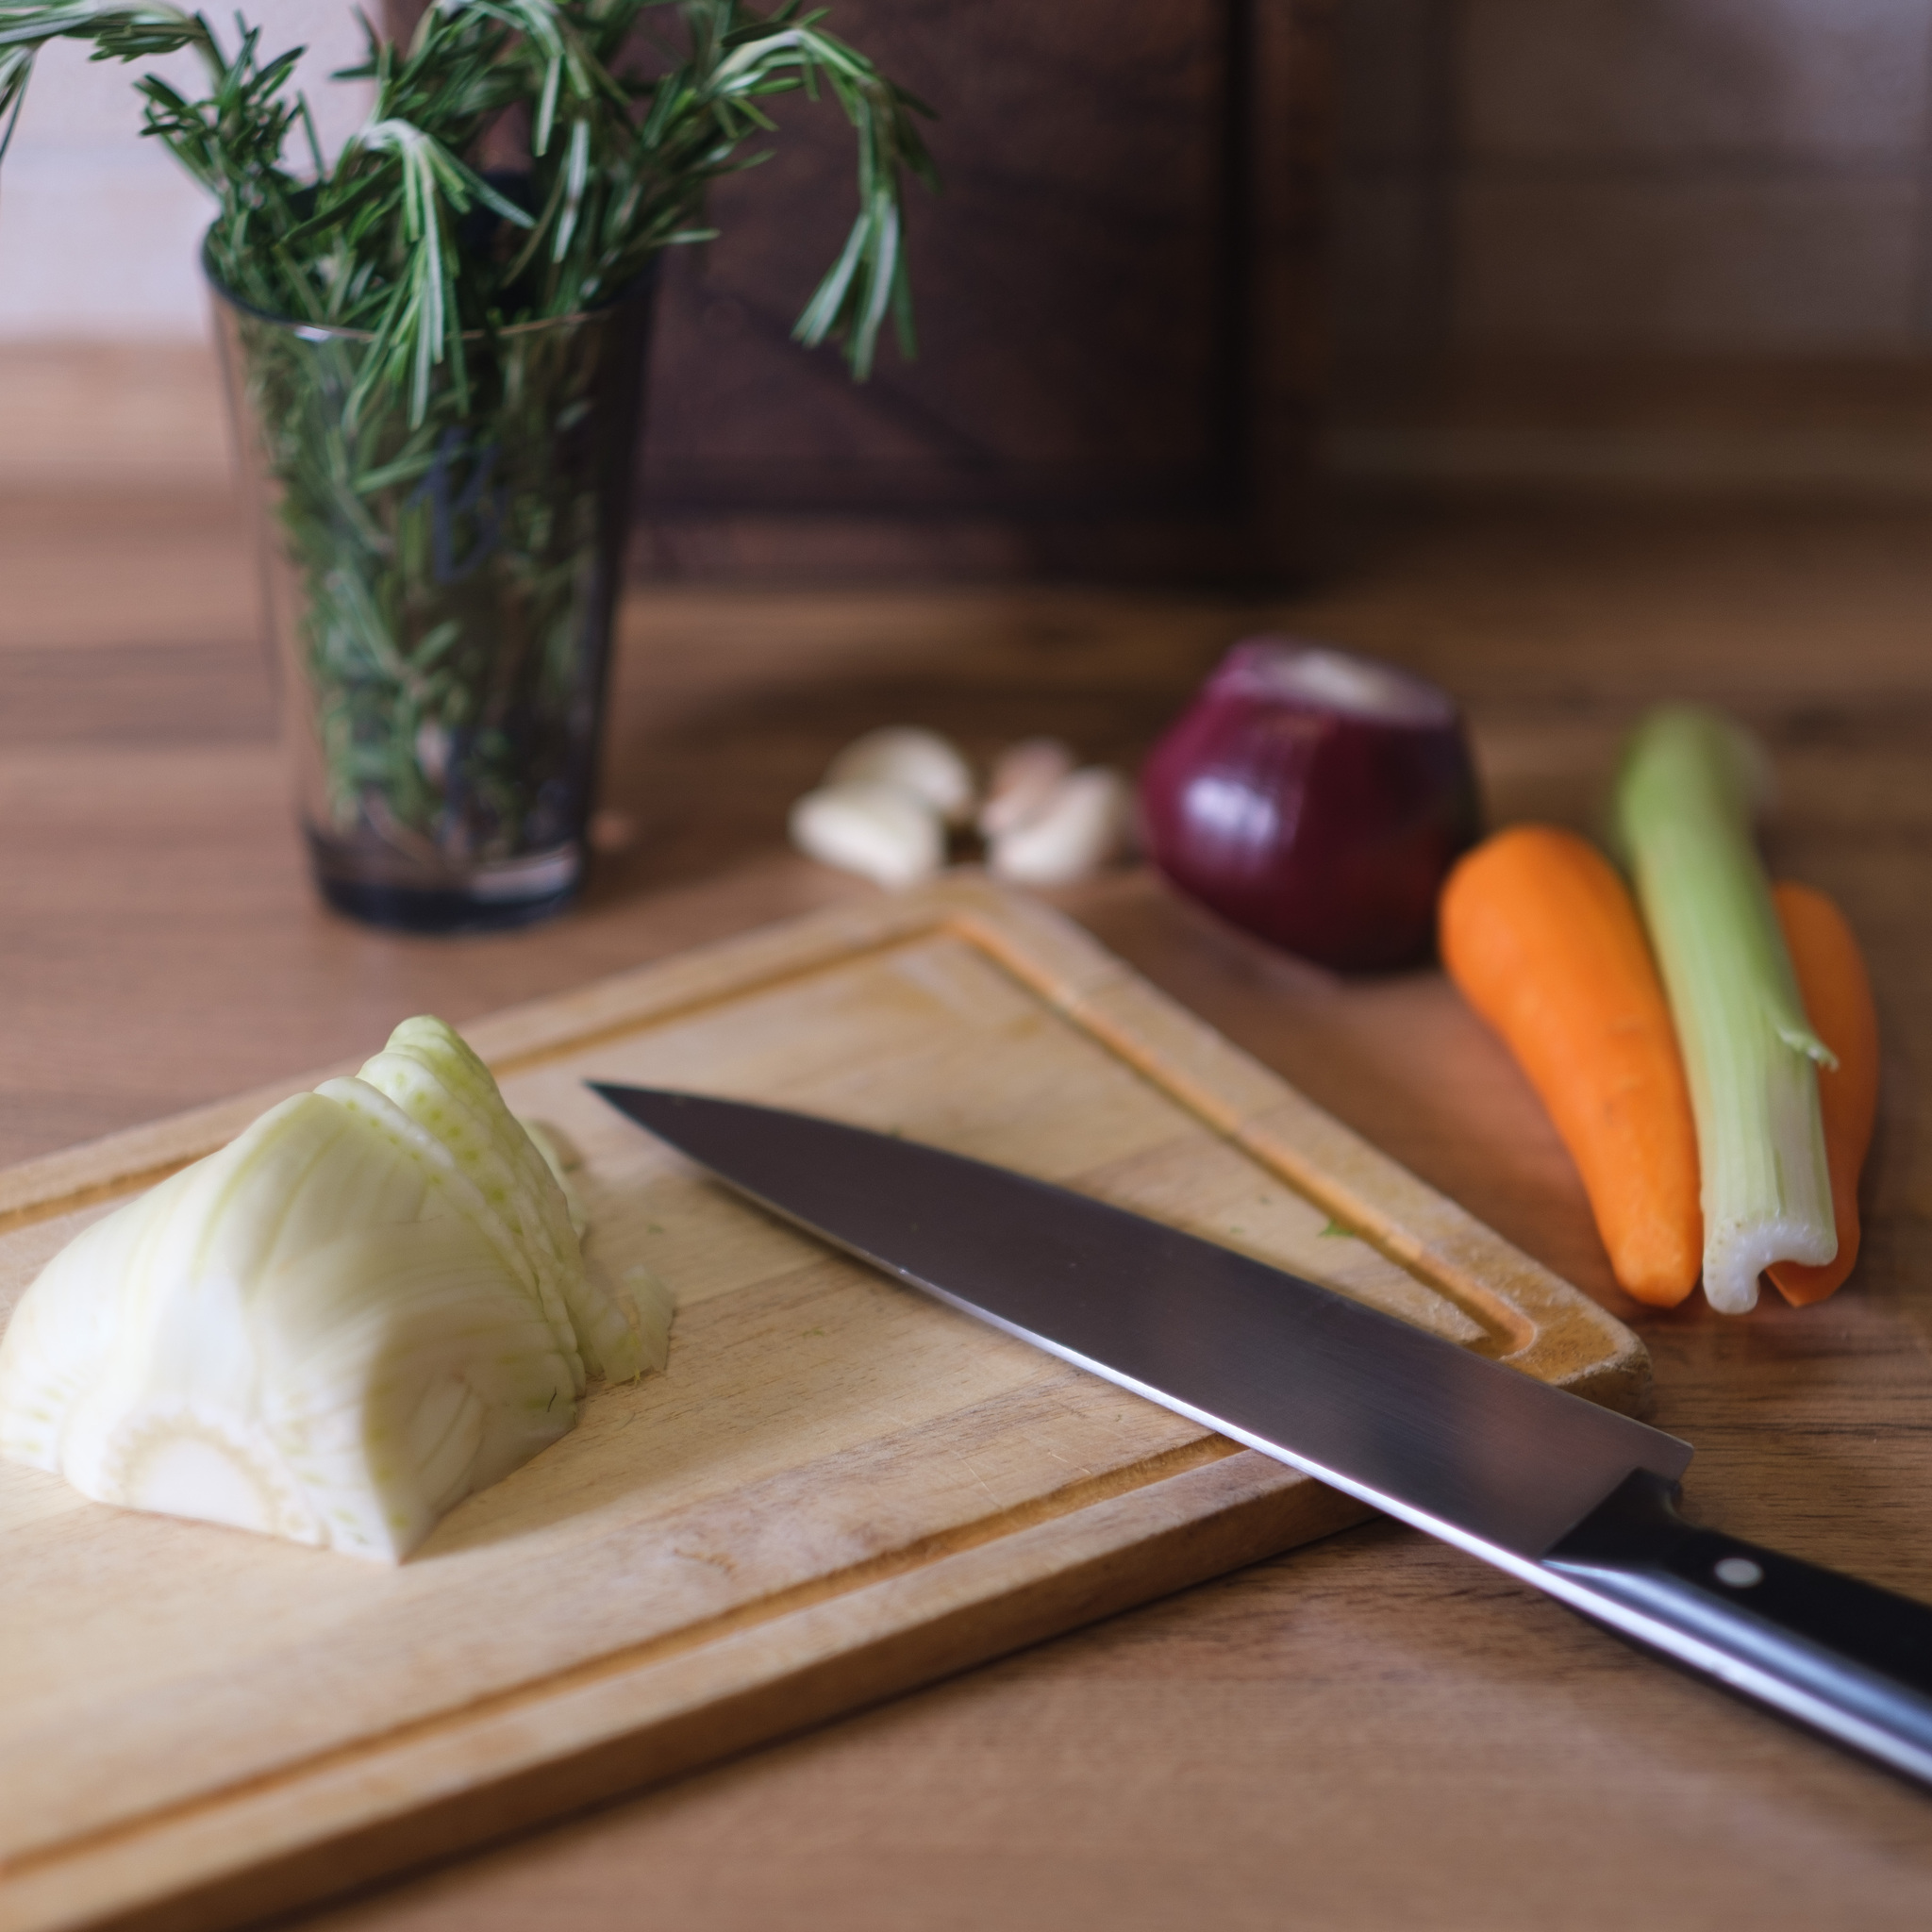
[835,1491]
[1119,295]
[1120,302]
[1365,1732]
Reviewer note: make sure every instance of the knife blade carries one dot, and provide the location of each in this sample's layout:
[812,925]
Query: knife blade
[1576,1500]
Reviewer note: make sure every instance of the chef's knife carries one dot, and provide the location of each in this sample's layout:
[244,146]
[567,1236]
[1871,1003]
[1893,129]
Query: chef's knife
[1577,1500]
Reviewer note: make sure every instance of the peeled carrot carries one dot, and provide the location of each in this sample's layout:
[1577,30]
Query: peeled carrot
[1837,1002]
[1542,936]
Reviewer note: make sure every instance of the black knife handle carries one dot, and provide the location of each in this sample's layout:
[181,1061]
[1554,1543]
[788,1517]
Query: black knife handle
[1846,1656]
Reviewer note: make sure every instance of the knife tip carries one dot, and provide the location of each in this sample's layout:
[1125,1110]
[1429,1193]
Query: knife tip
[623,1097]
[626,1098]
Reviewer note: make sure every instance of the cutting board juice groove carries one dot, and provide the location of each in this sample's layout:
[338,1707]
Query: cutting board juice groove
[838,1491]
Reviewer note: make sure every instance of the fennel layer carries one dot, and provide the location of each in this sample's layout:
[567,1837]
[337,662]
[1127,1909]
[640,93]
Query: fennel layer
[368,1306]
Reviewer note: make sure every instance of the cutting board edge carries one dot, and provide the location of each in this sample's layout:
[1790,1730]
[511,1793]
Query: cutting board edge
[1553,1330]
[489,1775]
[1228,1091]
[1545,1327]
[527,1034]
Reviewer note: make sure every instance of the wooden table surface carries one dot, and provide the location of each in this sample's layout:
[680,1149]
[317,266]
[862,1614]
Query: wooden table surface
[1374,1731]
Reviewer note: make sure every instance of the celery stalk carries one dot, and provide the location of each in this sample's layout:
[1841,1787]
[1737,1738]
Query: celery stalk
[1685,799]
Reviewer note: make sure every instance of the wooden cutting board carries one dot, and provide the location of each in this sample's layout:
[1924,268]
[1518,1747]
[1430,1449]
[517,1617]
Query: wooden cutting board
[837,1490]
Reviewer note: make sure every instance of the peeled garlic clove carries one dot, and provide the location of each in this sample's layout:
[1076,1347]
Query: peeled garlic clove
[1086,821]
[880,831]
[921,762]
[1025,777]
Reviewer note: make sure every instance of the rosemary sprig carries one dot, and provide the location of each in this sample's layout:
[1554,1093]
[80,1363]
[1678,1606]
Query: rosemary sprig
[449,486]
[619,162]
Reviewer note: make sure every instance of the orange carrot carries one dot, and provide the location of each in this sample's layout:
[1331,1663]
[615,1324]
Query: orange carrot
[1837,1002]
[1544,939]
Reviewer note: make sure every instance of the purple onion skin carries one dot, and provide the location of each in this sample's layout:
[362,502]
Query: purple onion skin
[1323,830]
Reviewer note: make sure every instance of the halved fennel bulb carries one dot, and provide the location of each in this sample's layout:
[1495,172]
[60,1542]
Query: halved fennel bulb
[368,1306]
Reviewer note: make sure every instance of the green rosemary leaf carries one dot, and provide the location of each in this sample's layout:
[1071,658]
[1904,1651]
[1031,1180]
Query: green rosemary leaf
[415,449]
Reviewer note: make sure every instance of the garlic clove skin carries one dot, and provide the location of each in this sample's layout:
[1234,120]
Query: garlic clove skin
[880,831]
[1024,775]
[916,760]
[1084,823]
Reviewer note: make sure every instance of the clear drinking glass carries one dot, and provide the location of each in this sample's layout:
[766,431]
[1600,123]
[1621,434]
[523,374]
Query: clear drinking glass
[440,595]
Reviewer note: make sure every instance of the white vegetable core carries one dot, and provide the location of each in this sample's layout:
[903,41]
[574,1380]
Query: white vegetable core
[1338,682]
[368,1305]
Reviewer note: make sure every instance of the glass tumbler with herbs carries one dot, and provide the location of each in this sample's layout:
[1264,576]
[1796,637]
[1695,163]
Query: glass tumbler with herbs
[434,343]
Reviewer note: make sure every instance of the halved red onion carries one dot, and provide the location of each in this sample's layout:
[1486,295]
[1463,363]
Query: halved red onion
[1315,798]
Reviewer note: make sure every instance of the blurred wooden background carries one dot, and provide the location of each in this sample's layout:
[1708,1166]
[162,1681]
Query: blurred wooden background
[1118,295]
[1569,245]
[1374,1729]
